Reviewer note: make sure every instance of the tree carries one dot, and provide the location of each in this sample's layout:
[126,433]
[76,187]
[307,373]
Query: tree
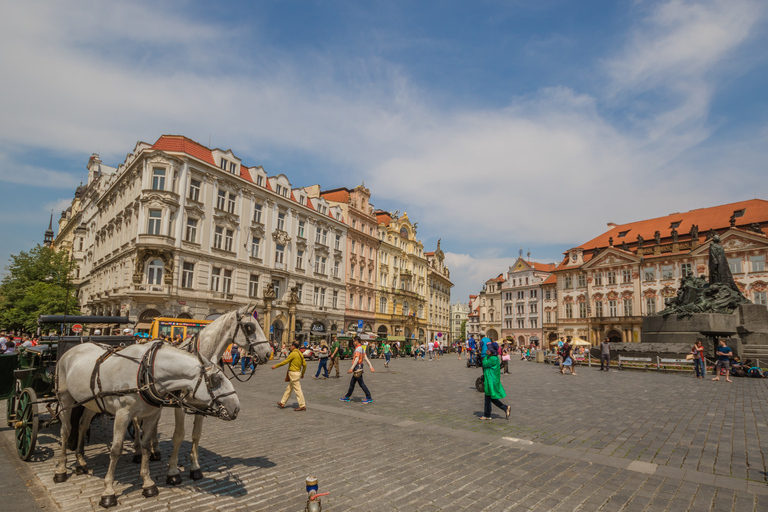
[464,329]
[37,283]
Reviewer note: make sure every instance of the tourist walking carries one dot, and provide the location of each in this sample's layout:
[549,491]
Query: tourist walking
[296,368]
[605,355]
[357,373]
[322,355]
[493,389]
[723,360]
[505,359]
[335,348]
[699,362]
[387,353]
[567,359]
[235,354]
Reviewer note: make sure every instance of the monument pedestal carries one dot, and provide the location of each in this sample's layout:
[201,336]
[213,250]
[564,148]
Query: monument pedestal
[745,330]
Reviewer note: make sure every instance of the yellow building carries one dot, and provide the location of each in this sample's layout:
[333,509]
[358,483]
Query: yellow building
[402,280]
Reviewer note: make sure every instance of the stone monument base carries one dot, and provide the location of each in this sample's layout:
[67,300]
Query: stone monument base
[745,330]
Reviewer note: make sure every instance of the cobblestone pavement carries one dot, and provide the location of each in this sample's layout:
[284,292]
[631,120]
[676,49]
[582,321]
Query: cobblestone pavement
[605,441]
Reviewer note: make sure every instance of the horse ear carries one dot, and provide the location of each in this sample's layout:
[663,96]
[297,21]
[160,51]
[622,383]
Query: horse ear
[206,363]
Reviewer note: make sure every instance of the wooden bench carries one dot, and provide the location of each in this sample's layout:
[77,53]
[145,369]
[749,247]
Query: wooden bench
[634,361]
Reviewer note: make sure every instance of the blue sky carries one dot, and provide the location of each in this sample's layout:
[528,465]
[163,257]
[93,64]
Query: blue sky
[496,125]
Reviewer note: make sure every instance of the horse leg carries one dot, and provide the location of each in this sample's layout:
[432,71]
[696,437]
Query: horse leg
[136,441]
[66,401]
[197,431]
[85,421]
[155,453]
[149,488]
[122,419]
[173,477]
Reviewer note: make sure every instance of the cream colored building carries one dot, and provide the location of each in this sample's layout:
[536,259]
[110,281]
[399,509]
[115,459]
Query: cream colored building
[459,313]
[439,303]
[181,230]
[606,286]
[486,310]
[522,302]
[402,280]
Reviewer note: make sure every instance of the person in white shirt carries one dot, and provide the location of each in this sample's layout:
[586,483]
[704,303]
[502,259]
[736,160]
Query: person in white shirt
[3,341]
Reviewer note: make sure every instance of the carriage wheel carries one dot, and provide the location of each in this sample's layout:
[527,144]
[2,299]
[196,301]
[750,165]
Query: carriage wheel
[480,384]
[26,423]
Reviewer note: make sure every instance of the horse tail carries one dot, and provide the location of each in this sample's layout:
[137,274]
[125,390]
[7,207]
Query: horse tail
[74,422]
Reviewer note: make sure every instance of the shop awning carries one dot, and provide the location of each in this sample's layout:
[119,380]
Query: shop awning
[397,338]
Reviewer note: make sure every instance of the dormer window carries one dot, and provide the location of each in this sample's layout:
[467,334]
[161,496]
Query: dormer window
[260,181]
[223,164]
[738,213]
[281,190]
[675,224]
[623,234]
[302,200]
[233,167]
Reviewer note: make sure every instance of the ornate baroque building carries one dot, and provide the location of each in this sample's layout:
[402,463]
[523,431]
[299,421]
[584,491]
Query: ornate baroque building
[402,279]
[522,302]
[361,256]
[487,306]
[181,230]
[606,285]
[439,285]
[459,314]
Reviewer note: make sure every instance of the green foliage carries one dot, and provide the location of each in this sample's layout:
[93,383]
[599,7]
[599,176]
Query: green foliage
[463,329]
[36,283]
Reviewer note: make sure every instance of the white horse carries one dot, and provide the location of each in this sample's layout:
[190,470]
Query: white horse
[238,327]
[134,383]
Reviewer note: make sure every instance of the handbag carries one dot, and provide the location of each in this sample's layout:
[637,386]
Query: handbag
[358,372]
[689,357]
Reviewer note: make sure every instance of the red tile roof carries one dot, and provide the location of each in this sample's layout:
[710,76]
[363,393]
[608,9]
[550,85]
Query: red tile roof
[181,144]
[383,217]
[429,253]
[552,279]
[715,217]
[544,267]
[339,195]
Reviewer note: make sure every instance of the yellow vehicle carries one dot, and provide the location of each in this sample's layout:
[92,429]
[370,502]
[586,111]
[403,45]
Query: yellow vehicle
[176,327]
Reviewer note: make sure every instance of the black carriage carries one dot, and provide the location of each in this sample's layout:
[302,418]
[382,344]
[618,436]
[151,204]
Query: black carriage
[28,378]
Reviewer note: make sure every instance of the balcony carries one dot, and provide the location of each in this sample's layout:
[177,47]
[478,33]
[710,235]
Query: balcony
[149,289]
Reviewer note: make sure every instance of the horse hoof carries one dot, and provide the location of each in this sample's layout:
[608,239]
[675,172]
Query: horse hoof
[173,479]
[108,501]
[149,492]
[195,474]
[137,458]
[155,457]
[59,478]
[81,470]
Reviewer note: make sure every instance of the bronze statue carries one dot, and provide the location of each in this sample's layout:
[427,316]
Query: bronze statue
[718,295]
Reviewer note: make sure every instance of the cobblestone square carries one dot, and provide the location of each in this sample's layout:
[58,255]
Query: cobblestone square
[613,441]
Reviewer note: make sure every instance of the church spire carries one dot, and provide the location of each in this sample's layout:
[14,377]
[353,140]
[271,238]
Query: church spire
[48,240]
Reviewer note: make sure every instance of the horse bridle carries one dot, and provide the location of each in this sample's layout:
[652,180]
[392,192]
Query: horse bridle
[248,330]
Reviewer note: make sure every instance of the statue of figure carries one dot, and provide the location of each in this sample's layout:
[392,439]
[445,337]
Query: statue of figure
[711,234]
[640,241]
[294,298]
[756,228]
[595,251]
[624,246]
[694,232]
[674,235]
[269,291]
[438,243]
[732,221]
[657,237]
[610,241]
[719,270]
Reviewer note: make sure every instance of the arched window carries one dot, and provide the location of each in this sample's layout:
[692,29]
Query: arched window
[155,272]
[405,308]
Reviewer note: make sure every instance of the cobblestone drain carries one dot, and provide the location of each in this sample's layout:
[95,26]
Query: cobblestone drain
[596,441]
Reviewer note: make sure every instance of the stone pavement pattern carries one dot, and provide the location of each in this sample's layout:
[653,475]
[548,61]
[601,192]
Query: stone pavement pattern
[596,441]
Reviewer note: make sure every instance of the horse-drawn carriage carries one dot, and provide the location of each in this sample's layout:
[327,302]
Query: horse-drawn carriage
[28,382]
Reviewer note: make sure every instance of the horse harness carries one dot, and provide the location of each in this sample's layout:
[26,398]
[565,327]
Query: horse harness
[147,389]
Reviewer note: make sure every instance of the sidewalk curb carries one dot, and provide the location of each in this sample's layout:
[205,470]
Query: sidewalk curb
[34,487]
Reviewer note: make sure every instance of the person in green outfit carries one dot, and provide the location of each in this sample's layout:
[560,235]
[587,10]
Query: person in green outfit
[492,377]
[387,353]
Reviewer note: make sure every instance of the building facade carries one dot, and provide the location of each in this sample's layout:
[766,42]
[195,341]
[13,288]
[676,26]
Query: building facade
[522,302]
[185,231]
[459,313]
[439,285]
[361,256]
[606,286]
[488,306]
[402,280]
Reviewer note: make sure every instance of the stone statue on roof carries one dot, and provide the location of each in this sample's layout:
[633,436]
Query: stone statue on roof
[640,241]
[610,241]
[674,235]
[657,237]
[694,232]
[624,246]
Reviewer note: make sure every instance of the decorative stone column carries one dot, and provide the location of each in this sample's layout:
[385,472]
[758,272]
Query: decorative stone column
[267,315]
[293,299]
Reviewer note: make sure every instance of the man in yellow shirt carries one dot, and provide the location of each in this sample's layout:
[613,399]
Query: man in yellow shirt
[297,367]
